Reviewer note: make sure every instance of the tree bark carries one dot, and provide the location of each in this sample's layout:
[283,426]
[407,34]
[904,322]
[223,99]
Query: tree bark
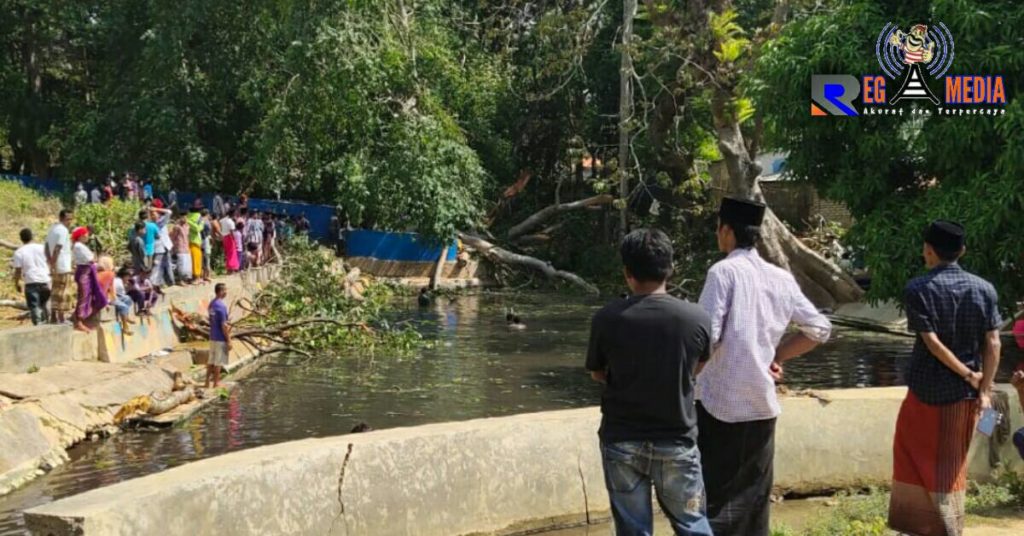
[497,254]
[824,283]
[625,109]
[438,269]
[8,245]
[547,212]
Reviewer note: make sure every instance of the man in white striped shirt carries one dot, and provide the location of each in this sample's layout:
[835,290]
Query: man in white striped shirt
[751,304]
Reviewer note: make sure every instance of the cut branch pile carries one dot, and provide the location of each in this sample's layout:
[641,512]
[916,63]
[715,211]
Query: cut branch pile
[256,331]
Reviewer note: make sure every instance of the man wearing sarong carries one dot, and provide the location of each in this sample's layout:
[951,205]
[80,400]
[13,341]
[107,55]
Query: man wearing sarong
[956,318]
[751,304]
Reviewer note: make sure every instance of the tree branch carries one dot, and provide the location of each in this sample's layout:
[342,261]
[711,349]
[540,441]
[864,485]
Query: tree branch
[498,254]
[547,212]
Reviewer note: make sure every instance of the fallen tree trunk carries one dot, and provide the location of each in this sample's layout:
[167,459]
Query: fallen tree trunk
[17,304]
[824,283]
[162,402]
[547,212]
[497,254]
[9,245]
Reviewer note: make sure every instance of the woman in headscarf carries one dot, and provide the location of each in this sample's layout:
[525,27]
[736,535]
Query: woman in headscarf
[91,297]
[105,274]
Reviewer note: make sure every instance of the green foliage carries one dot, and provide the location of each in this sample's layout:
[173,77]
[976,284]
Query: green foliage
[111,223]
[854,515]
[311,287]
[33,369]
[896,173]
[1006,492]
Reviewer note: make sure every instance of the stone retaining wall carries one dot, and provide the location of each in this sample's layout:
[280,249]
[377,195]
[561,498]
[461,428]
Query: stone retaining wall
[84,378]
[26,347]
[487,476]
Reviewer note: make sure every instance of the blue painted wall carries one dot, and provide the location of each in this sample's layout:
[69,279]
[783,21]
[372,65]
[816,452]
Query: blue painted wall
[393,246]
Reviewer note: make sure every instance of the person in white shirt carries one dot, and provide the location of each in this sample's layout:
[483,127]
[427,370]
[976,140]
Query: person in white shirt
[95,196]
[30,267]
[81,196]
[751,304]
[227,233]
[58,256]
[163,250]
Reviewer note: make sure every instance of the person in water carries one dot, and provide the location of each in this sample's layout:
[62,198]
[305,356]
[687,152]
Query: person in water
[423,299]
[515,322]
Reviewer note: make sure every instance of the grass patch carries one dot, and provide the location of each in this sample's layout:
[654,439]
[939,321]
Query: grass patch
[865,514]
[22,207]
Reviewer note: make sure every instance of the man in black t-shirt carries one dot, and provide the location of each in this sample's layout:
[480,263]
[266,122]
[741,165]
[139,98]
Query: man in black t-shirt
[646,348]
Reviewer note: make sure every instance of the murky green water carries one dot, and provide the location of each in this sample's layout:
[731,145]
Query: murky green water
[477,368]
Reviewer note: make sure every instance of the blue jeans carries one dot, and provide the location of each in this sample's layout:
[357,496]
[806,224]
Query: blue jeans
[673,467]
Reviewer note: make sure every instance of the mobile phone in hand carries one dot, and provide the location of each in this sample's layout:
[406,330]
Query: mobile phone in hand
[989,420]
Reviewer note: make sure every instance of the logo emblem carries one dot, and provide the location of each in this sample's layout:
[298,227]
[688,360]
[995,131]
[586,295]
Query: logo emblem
[911,55]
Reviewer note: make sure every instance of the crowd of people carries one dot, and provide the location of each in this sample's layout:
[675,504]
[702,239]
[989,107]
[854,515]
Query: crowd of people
[690,405]
[71,276]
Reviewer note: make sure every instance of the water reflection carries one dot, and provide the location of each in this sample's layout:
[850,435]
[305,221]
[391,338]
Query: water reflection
[477,368]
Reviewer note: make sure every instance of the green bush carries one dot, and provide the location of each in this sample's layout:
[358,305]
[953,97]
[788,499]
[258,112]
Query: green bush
[111,222]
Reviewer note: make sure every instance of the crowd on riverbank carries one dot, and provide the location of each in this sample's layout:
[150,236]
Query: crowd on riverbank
[72,275]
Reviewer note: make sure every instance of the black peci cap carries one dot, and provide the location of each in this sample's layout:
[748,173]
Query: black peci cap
[946,235]
[741,212]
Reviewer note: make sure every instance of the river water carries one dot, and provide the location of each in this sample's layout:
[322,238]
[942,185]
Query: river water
[476,367]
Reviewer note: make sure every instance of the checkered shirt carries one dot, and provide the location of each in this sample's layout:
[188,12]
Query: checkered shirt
[960,308]
[751,303]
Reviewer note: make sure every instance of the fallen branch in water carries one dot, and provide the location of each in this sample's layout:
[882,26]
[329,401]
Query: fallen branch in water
[497,254]
[17,304]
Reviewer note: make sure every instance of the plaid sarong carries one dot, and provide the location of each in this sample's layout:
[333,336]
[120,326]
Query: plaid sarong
[62,295]
[929,480]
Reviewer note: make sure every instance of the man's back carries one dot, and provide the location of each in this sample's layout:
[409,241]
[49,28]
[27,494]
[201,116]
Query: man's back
[751,303]
[960,308]
[650,346]
[31,259]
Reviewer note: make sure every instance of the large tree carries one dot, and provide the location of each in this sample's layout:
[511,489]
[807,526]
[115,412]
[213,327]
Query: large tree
[896,173]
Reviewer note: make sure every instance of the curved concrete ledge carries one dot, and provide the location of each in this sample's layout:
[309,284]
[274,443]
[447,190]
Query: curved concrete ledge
[73,395]
[484,476]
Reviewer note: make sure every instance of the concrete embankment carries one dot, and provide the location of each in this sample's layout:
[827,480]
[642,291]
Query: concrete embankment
[80,380]
[488,476]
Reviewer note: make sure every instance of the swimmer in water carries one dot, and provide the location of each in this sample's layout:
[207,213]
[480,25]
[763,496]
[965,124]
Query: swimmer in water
[515,323]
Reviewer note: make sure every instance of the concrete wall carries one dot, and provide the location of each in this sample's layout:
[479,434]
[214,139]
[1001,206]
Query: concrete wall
[72,394]
[24,347]
[485,476]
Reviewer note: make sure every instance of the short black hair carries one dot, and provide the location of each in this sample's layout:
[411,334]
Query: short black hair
[124,272]
[218,287]
[204,212]
[139,226]
[947,255]
[25,235]
[143,214]
[747,236]
[65,212]
[647,255]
